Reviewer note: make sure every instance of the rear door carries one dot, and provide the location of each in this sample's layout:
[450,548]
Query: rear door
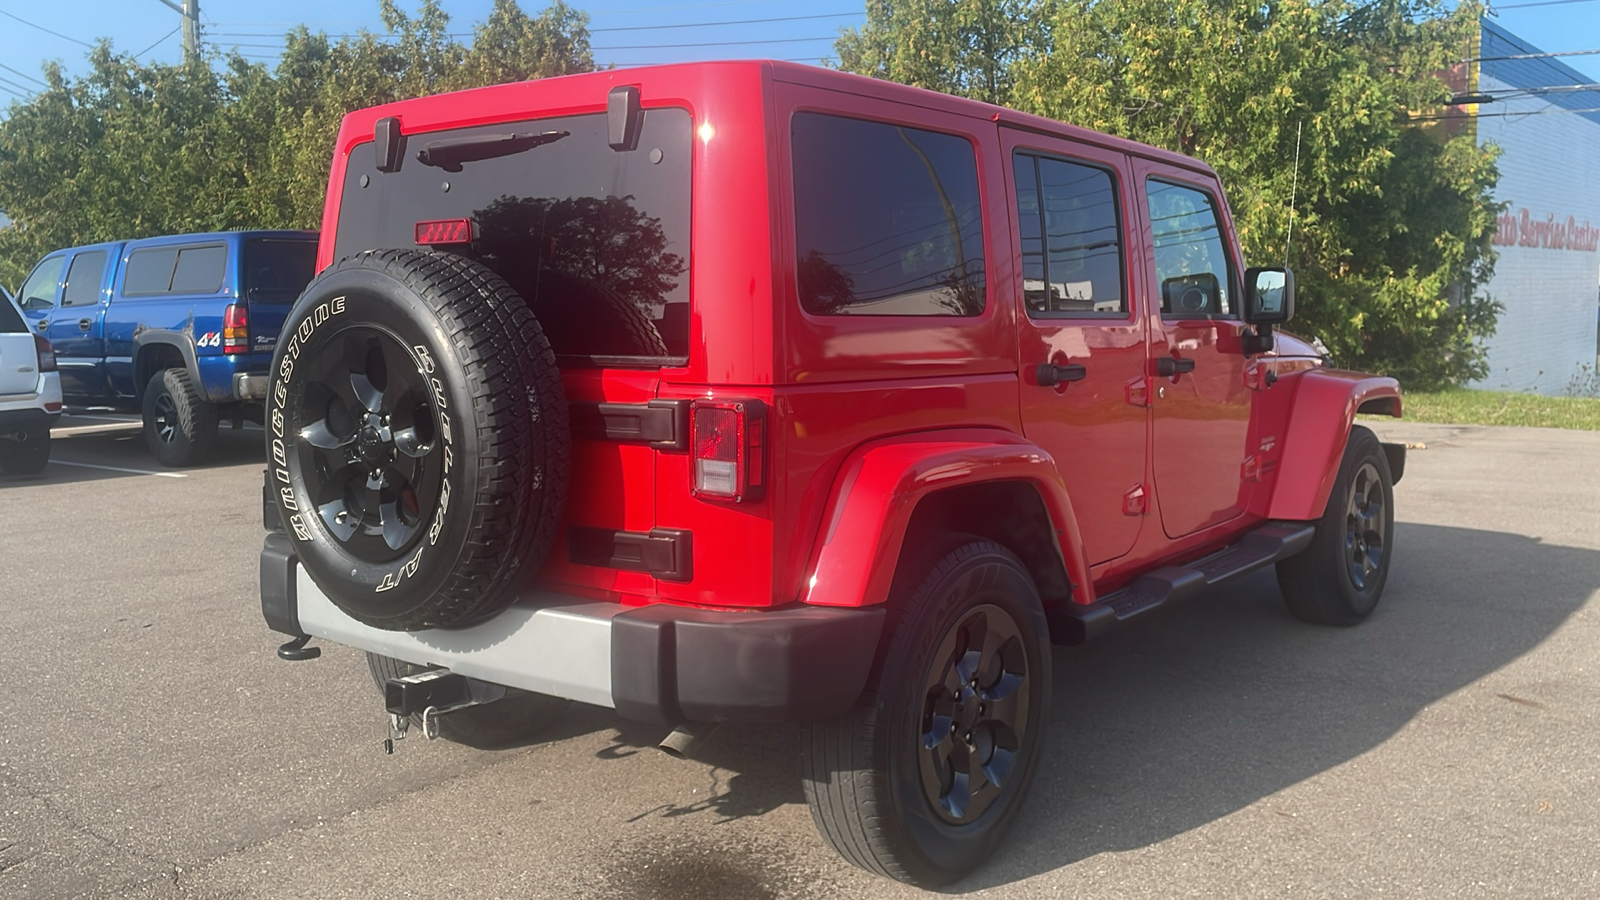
[1202,404]
[596,239]
[77,329]
[19,362]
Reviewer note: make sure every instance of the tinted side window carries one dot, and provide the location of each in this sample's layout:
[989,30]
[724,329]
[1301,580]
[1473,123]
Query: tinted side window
[149,271]
[83,279]
[1071,239]
[10,320]
[279,266]
[200,269]
[39,291]
[1191,262]
[888,219]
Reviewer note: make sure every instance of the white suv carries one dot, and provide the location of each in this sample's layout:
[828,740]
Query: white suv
[30,393]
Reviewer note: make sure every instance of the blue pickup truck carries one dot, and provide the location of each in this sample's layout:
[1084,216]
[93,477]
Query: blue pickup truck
[181,328]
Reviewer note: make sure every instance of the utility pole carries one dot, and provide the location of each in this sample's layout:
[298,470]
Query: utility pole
[190,10]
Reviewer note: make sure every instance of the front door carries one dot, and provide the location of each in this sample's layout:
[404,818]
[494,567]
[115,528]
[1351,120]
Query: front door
[1197,366]
[1081,331]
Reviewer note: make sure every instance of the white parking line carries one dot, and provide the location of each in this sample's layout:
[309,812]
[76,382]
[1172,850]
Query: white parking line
[93,429]
[62,462]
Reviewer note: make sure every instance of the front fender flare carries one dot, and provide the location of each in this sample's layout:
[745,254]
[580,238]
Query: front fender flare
[1320,418]
[878,489]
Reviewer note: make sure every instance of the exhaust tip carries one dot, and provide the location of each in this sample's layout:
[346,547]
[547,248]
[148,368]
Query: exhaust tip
[685,739]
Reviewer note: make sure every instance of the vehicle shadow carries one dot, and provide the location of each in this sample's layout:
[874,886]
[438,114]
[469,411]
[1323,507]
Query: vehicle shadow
[1210,707]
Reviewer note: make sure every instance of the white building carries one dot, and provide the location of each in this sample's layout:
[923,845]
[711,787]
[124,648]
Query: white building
[1548,273]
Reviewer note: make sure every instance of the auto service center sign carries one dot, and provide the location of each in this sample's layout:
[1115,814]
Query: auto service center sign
[1523,230]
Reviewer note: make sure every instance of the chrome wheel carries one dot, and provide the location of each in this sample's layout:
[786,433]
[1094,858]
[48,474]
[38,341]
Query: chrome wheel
[975,713]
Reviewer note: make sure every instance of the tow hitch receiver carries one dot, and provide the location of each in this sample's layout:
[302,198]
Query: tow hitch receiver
[437,691]
[431,694]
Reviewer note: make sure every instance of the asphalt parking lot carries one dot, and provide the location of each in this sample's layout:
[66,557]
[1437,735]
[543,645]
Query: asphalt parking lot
[153,746]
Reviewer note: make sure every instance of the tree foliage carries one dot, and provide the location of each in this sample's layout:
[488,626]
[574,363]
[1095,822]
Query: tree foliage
[1391,220]
[131,150]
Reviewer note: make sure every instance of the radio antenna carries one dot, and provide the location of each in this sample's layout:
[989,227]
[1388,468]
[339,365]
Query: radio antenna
[1294,189]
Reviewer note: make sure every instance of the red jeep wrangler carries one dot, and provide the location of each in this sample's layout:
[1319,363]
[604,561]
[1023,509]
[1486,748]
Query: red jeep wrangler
[758,392]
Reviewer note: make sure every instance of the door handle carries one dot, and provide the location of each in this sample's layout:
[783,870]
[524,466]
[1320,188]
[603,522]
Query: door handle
[1173,366]
[1049,375]
[85,324]
[44,325]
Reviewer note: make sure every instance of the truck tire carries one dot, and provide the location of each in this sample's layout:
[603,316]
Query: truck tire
[1339,578]
[179,426]
[27,456]
[513,719]
[961,699]
[417,438]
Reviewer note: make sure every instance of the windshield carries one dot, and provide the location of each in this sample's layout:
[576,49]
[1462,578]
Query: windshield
[596,240]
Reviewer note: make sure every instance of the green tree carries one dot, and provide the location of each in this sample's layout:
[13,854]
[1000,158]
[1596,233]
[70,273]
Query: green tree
[963,47]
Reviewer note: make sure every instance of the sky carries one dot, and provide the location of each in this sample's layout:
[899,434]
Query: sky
[624,32]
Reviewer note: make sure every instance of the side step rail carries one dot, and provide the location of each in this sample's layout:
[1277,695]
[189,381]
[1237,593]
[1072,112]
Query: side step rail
[1261,547]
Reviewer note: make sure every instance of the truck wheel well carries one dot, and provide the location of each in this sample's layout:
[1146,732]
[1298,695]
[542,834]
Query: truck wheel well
[154,358]
[1010,513]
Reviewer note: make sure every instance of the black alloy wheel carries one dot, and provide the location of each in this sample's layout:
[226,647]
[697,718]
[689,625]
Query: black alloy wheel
[1366,527]
[921,781]
[975,717]
[371,456]
[1339,578]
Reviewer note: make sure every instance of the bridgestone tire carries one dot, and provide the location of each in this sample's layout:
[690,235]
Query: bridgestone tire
[862,773]
[179,425]
[1319,584]
[26,457]
[417,438]
[516,718]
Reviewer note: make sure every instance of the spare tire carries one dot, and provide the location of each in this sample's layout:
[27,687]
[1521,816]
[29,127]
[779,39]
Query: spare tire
[417,438]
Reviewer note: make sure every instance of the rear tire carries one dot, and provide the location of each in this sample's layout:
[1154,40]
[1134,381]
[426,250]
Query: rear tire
[28,456]
[961,699]
[513,719]
[1339,578]
[179,426]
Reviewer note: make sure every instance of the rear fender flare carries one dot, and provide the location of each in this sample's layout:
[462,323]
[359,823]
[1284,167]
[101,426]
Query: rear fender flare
[1320,418]
[181,342]
[878,489]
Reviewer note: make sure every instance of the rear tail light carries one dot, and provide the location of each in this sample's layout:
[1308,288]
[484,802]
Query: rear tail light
[46,353]
[235,329]
[444,231]
[728,445]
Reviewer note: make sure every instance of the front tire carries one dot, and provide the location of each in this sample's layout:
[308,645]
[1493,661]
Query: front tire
[27,456]
[920,782]
[179,426]
[516,718]
[1340,577]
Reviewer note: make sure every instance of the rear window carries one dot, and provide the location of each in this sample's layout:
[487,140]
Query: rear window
[278,266]
[10,320]
[888,219]
[149,271]
[596,240]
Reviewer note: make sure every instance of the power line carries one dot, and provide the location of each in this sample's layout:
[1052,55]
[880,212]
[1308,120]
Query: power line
[23,74]
[729,22]
[1493,8]
[1532,55]
[46,30]
[157,43]
[829,37]
[13,87]
[1503,115]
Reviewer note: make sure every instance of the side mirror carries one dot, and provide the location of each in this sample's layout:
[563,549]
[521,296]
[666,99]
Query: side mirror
[34,304]
[1270,296]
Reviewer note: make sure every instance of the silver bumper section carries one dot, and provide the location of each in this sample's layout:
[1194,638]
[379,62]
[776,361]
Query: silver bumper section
[555,645]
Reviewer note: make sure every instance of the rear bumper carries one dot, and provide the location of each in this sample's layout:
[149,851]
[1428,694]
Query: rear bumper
[659,663]
[12,420]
